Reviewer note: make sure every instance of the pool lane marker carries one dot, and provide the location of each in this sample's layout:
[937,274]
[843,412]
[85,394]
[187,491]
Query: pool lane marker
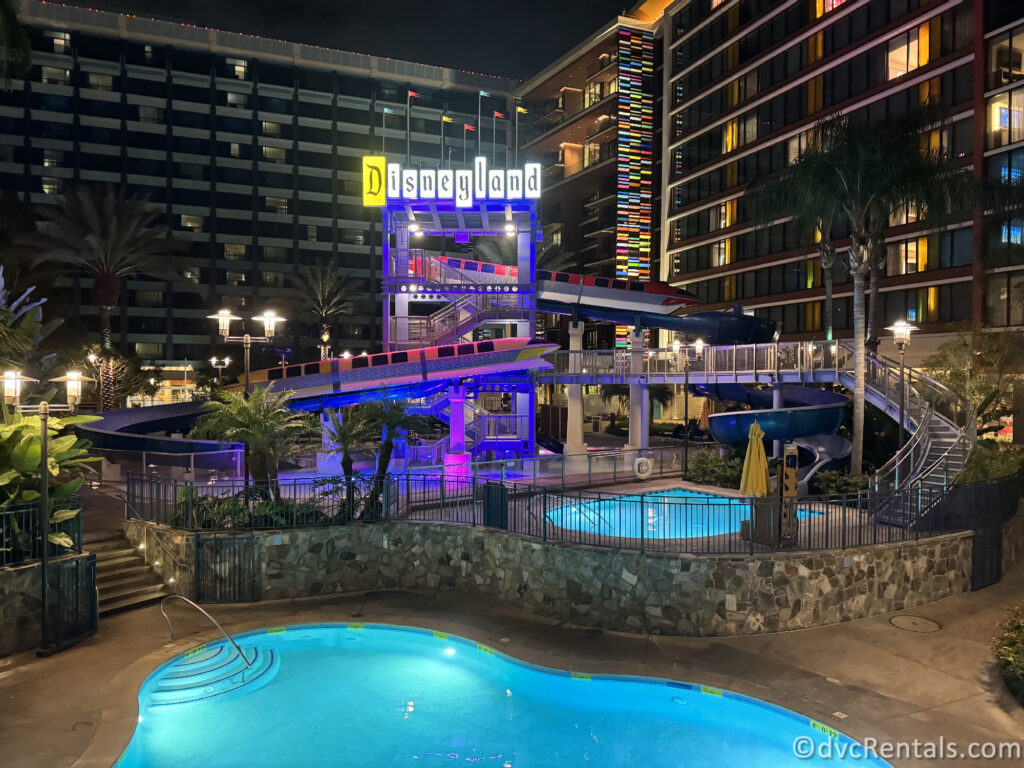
[711,690]
[441,635]
[355,625]
[830,732]
[581,676]
[276,630]
[484,649]
[193,651]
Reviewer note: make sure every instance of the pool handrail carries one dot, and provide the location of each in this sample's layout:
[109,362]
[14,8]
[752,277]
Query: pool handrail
[207,615]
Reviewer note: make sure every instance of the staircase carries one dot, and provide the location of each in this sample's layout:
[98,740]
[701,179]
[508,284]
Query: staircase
[123,579]
[214,670]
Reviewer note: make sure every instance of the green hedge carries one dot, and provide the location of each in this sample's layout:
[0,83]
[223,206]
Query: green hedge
[991,460]
[707,468]
[1009,650]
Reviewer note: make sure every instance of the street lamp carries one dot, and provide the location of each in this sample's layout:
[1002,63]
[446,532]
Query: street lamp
[676,346]
[220,363]
[224,318]
[901,331]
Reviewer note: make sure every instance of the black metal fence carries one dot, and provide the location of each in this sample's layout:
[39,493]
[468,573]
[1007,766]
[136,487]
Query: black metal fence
[22,531]
[672,522]
[71,601]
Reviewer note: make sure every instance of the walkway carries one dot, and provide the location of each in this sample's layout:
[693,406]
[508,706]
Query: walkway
[867,678]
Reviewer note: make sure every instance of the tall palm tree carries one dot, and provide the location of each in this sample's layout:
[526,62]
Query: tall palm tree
[112,237]
[263,421]
[325,293]
[15,46]
[393,419]
[348,432]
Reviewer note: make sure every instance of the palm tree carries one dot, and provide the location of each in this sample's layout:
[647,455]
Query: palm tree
[795,193]
[348,433]
[325,293]
[15,46]
[394,420]
[662,394]
[112,237]
[263,421]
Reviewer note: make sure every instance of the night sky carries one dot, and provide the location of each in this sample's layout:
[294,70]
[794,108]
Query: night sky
[502,37]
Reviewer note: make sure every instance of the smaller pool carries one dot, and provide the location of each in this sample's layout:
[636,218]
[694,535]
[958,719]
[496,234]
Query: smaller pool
[671,514]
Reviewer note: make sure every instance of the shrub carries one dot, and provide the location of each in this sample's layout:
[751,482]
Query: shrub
[1009,651]
[832,482]
[990,460]
[707,468]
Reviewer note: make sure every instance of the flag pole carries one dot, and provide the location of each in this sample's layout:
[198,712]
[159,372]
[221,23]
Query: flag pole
[442,140]
[408,127]
[479,107]
[383,127]
[465,133]
[494,139]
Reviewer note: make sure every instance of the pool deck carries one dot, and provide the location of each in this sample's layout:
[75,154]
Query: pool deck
[867,678]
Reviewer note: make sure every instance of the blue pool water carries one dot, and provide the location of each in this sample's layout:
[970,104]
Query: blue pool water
[668,514]
[349,695]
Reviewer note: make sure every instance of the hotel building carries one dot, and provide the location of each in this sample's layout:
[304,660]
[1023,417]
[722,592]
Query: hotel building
[250,147]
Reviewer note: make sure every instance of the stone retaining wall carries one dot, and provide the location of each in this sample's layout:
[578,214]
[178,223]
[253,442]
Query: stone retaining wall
[159,542]
[627,591]
[20,606]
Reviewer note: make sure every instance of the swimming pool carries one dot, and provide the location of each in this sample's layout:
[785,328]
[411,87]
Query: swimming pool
[382,696]
[670,514]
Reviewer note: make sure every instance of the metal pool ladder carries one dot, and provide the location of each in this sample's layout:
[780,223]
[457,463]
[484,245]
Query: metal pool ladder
[207,615]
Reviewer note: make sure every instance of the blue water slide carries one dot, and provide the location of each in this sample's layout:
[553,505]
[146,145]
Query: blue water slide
[806,411]
[713,327]
[130,429]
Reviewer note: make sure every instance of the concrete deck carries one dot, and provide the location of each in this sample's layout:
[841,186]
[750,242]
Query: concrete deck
[867,678]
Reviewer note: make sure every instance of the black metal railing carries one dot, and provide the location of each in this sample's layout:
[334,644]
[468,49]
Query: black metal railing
[687,523]
[22,531]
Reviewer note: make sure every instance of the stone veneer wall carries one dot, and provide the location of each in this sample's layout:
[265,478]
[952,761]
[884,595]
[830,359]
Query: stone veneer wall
[20,607]
[709,596]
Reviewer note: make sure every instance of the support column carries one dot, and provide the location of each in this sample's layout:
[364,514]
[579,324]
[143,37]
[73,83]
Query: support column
[639,394]
[456,458]
[777,402]
[574,442]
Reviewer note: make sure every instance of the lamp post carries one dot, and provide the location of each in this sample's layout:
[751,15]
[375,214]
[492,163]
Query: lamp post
[220,363]
[901,331]
[11,384]
[224,318]
[676,346]
[698,349]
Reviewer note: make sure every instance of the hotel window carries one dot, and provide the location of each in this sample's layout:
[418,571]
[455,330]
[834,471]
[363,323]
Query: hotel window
[274,154]
[55,76]
[151,114]
[311,232]
[190,274]
[191,222]
[52,158]
[591,94]
[908,257]
[556,238]
[277,204]
[149,349]
[270,129]
[591,154]
[236,149]
[234,251]
[903,215]
[1006,118]
[1012,232]
[272,279]
[100,82]
[274,253]
[51,185]
[1006,58]
[147,54]
[821,7]
[61,41]
[235,278]
[237,100]
[908,51]
[239,68]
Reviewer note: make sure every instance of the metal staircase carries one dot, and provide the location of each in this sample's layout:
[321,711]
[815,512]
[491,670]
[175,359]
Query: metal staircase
[484,430]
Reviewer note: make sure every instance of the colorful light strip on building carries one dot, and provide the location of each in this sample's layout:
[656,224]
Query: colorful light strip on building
[635,183]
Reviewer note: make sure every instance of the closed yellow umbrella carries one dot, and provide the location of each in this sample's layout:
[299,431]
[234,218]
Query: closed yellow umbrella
[755,465]
[705,412]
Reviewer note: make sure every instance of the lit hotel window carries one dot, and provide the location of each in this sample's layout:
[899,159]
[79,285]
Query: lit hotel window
[100,82]
[270,129]
[235,278]
[311,233]
[149,114]
[1013,232]
[821,7]
[239,67]
[238,100]
[51,185]
[275,154]
[54,76]
[61,41]
[277,204]
[236,149]
[234,251]
[52,158]
[908,51]
[1006,118]
[191,223]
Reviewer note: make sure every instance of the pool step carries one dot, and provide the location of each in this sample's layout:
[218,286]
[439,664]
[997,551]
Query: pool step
[214,671]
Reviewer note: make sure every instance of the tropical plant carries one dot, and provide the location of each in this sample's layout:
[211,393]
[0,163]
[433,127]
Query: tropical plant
[1009,652]
[707,468]
[832,482]
[395,420]
[15,46]
[348,431]
[263,421]
[325,293]
[110,236]
[991,460]
[982,368]
[663,394]
[20,458]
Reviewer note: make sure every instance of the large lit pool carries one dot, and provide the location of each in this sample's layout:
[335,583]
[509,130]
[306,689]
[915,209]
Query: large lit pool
[670,514]
[355,695]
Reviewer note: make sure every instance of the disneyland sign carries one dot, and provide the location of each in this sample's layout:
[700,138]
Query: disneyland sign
[383,181]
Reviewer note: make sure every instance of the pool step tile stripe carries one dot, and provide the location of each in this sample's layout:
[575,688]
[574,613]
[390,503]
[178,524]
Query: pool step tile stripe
[214,672]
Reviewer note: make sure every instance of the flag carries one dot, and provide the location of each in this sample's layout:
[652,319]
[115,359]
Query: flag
[446,119]
[521,110]
[413,95]
[484,93]
[499,114]
[468,127]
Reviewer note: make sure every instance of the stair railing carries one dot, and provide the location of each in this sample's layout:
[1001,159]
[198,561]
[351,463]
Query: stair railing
[130,509]
[207,615]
